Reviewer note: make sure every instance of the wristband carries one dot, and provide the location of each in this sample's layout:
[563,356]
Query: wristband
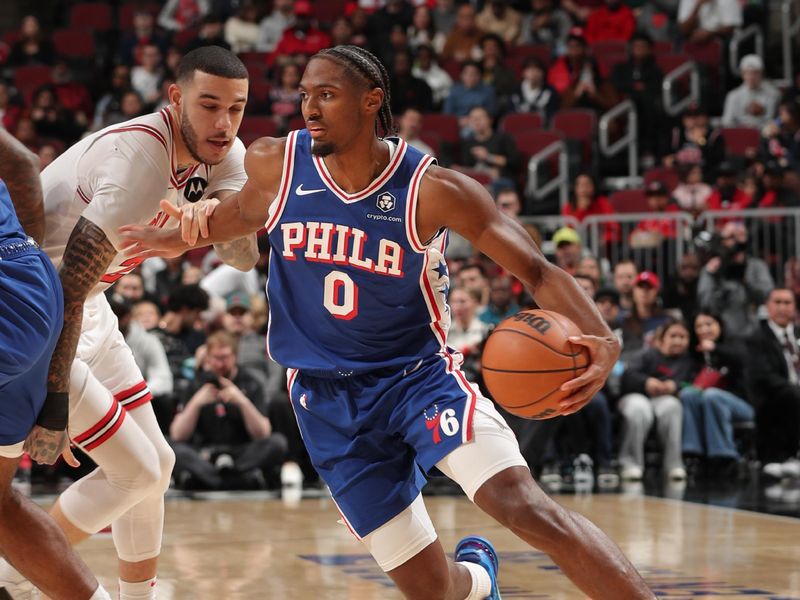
[55,411]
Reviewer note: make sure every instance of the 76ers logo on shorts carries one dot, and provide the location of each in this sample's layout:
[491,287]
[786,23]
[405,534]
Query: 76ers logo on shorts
[386,202]
[195,188]
[445,422]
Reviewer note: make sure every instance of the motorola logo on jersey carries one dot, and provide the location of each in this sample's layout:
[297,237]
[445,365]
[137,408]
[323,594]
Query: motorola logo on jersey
[195,188]
[386,202]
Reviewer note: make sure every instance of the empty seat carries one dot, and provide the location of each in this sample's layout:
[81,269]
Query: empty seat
[93,16]
[518,122]
[629,201]
[741,141]
[74,43]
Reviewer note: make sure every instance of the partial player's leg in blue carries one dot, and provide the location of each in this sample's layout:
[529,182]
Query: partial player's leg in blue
[479,550]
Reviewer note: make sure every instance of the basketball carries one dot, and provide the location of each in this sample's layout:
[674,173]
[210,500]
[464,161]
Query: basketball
[526,360]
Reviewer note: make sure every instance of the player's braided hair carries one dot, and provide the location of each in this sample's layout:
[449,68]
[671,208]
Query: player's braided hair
[367,66]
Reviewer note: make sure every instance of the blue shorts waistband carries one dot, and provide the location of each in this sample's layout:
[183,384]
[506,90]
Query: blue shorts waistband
[16,247]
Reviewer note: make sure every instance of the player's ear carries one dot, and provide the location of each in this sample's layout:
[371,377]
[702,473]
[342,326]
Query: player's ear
[373,100]
[174,94]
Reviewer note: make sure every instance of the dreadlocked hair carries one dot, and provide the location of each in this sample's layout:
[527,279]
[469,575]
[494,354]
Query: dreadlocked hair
[366,65]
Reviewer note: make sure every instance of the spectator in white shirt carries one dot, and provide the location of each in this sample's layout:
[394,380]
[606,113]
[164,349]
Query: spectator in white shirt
[753,103]
[272,27]
[146,78]
[700,20]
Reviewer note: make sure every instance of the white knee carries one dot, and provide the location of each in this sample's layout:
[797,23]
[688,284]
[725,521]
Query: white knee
[636,408]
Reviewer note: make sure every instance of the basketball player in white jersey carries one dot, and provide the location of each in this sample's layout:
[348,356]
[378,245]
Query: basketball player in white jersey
[116,176]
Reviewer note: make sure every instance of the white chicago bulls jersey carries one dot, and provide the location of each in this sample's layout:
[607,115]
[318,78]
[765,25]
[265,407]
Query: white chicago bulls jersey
[118,176]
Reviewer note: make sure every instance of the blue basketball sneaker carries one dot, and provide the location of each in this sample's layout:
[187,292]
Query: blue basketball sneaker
[480,551]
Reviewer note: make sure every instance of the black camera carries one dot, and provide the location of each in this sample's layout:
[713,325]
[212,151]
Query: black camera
[204,377]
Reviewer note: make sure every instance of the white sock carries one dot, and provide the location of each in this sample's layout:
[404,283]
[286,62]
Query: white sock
[140,590]
[100,594]
[481,582]
[9,575]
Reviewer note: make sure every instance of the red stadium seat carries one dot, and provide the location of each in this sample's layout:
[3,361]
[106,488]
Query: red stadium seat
[532,141]
[258,96]
[73,43]
[433,140]
[262,126]
[666,175]
[297,122]
[93,16]
[578,124]
[629,201]
[483,178]
[453,68]
[522,53]
[445,126]
[669,62]
[662,47]
[127,10]
[182,38]
[514,123]
[31,77]
[258,70]
[609,53]
[741,141]
[329,10]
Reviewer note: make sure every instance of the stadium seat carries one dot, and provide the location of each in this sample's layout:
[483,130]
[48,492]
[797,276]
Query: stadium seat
[297,122]
[483,178]
[740,141]
[629,201]
[74,43]
[453,68]
[93,16]
[526,51]
[580,125]
[31,77]
[258,70]
[262,126]
[445,126]
[258,96]
[532,141]
[182,38]
[434,141]
[127,10]
[609,53]
[666,175]
[669,62]
[329,10]
[514,123]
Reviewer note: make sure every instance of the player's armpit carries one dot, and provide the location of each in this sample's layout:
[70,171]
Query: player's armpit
[19,168]
[86,258]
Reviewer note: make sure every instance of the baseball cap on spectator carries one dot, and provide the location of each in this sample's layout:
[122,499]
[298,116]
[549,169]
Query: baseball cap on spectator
[237,300]
[656,188]
[303,8]
[577,34]
[751,62]
[607,293]
[648,278]
[566,235]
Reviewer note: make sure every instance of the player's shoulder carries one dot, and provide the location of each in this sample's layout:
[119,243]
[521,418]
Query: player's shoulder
[447,184]
[265,156]
[150,133]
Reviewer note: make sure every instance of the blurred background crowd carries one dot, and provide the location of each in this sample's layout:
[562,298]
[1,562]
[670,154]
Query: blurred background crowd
[650,148]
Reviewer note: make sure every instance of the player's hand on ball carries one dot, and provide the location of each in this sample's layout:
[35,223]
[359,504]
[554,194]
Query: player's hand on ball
[604,353]
[45,446]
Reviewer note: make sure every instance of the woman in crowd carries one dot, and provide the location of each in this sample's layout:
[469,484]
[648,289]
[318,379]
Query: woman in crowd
[717,397]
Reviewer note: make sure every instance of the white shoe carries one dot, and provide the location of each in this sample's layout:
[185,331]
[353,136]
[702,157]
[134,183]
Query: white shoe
[677,474]
[631,473]
[291,475]
[791,468]
[773,469]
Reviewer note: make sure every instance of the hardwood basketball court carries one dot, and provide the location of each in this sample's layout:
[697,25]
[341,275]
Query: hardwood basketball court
[255,547]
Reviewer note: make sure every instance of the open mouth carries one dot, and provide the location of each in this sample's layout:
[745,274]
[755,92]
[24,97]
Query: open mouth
[219,143]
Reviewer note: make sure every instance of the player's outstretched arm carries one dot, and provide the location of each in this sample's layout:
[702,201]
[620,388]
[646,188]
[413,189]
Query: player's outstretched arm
[241,253]
[19,168]
[454,200]
[237,216]
[86,257]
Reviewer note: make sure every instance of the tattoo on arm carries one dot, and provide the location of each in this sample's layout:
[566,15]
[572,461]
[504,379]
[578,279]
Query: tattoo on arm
[240,254]
[19,168]
[86,258]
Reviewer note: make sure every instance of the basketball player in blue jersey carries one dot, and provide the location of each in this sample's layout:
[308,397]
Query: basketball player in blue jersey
[31,316]
[357,290]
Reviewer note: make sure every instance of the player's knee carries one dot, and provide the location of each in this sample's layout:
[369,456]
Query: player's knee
[166,460]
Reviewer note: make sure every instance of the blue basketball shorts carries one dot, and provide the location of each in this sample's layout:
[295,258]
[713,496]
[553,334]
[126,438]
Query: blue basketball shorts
[373,437]
[31,317]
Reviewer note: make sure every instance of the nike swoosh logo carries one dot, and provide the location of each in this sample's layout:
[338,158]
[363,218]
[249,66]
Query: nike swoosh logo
[301,192]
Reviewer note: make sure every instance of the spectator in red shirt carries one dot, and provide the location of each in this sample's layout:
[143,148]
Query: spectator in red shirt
[726,193]
[585,202]
[575,76]
[651,232]
[614,21]
[302,38]
[73,96]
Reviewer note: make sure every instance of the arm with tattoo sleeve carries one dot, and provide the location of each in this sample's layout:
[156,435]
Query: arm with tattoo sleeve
[19,168]
[86,257]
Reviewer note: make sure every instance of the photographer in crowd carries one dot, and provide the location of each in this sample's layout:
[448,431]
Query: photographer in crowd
[734,284]
[221,436]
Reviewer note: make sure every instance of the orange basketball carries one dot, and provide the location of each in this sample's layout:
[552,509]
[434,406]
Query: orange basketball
[526,360]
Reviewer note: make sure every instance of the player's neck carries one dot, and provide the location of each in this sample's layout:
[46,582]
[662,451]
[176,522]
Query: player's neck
[183,158]
[355,167]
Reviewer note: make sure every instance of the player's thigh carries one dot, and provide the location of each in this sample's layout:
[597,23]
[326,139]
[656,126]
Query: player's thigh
[103,349]
[493,449]
[8,467]
[31,315]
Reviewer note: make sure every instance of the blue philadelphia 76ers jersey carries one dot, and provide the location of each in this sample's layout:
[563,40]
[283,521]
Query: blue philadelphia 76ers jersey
[351,286]
[9,224]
